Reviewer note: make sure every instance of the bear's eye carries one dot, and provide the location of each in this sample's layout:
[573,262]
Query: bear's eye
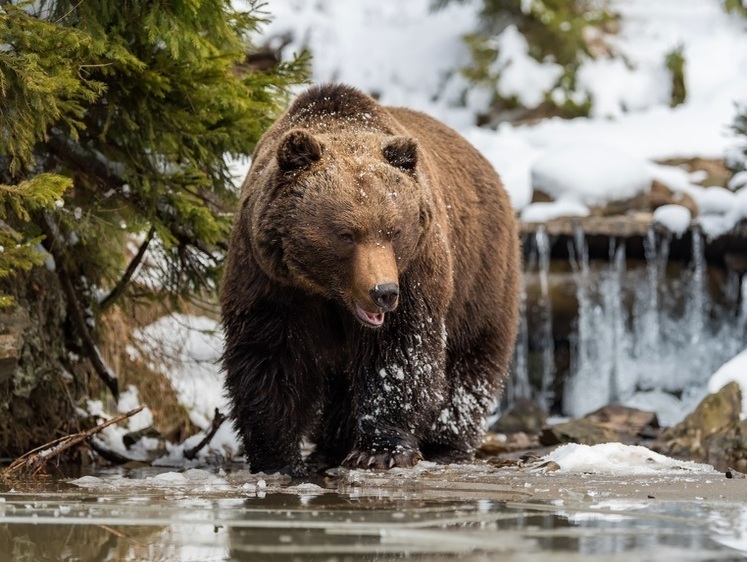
[347,237]
[396,234]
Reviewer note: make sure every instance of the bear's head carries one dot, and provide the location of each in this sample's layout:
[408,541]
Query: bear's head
[343,216]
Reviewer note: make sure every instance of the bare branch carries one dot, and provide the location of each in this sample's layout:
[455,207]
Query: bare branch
[119,288]
[218,420]
[36,459]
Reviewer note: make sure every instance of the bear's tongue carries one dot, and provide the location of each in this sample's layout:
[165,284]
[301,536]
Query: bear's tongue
[370,318]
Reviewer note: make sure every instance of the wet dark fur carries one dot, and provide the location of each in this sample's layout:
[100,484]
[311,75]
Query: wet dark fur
[297,361]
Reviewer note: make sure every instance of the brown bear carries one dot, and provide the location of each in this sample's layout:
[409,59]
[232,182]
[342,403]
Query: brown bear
[370,295]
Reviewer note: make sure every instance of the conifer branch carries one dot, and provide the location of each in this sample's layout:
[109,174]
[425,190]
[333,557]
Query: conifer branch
[119,288]
[75,154]
[76,310]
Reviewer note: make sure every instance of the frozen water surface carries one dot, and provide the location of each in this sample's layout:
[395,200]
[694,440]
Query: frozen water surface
[467,512]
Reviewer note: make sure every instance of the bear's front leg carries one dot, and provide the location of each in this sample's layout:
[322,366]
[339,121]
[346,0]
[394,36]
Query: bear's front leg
[274,393]
[400,387]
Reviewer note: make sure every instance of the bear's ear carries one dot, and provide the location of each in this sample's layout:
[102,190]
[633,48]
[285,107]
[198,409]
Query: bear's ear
[298,150]
[402,153]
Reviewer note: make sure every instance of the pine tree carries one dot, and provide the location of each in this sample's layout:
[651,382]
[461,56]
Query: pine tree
[117,122]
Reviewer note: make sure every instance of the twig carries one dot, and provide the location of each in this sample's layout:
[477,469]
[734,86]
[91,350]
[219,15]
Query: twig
[218,420]
[36,459]
[119,288]
[76,310]
[121,535]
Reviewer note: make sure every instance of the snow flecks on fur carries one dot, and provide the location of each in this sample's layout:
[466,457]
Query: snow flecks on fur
[467,410]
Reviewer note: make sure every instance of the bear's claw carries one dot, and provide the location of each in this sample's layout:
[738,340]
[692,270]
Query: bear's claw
[403,457]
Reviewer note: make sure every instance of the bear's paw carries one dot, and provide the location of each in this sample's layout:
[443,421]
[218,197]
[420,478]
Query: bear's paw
[401,457]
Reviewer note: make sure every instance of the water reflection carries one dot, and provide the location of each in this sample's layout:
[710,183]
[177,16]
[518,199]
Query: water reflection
[126,517]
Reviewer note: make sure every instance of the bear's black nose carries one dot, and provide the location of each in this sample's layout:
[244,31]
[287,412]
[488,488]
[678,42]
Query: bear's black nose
[385,296]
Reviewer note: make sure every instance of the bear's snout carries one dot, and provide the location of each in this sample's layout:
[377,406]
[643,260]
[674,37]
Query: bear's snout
[385,296]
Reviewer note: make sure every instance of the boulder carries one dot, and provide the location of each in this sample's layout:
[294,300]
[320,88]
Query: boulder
[712,433]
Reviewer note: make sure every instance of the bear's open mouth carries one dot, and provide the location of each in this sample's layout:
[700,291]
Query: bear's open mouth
[373,319]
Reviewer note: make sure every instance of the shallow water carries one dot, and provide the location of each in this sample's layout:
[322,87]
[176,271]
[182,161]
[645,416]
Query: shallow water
[200,515]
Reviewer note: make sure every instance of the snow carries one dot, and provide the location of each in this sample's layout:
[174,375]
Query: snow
[591,174]
[734,370]
[616,458]
[738,180]
[111,437]
[543,212]
[521,76]
[187,349]
[674,218]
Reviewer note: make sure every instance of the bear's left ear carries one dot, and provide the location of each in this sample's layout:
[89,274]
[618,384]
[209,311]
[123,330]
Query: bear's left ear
[402,153]
[298,150]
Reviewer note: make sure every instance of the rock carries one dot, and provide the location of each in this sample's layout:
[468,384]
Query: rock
[496,444]
[613,422]
[662,195]
[14,321]
[706,171]
[626,420]
[525,416]
[712,433]
[582,431]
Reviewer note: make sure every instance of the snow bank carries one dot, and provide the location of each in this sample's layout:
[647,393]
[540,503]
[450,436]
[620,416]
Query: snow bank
[590,174]
[674,218]
[543,212]
[616,458]
[188,350]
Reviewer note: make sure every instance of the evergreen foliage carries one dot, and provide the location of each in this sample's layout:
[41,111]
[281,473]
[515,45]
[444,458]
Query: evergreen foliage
[737,159]
[17,202]
[675,63]
[136,108]
[735,7]
[118,122]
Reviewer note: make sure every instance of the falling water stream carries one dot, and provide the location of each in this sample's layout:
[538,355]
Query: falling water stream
[647,335]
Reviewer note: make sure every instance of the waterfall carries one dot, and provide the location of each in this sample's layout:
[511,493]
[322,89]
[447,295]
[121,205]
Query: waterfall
[647,335]
[602,343]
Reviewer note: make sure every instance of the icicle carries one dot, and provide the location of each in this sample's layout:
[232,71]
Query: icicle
[588,386]
[547,340]
[520,387]
[647,323]
[616,319]
[696,290]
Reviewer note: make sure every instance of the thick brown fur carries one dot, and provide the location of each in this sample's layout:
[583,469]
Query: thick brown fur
[370,296]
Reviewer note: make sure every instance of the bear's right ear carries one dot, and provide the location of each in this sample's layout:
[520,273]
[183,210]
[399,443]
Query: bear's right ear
[402,153]
[298,150]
